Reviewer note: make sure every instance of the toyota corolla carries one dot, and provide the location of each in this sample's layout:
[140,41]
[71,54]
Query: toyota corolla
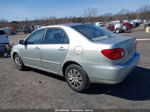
[82,53]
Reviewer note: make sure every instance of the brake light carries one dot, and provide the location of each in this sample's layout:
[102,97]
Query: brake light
[114,54]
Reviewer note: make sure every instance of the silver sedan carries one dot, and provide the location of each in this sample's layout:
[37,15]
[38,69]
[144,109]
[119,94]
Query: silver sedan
[82,53]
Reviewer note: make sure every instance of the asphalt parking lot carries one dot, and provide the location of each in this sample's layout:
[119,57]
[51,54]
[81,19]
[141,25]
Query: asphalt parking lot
[34,89]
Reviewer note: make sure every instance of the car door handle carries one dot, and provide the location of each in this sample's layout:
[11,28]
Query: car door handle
[61,49]
[37,48]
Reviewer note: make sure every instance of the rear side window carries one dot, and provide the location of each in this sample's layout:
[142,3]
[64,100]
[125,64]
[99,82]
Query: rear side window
[56,36]
[94,33]
[2,32]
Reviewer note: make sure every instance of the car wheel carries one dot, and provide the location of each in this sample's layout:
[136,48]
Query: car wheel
[77,78]
[117,30]
[18,62]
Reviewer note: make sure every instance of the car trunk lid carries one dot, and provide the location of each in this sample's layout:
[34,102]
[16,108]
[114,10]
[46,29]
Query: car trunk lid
[127,43]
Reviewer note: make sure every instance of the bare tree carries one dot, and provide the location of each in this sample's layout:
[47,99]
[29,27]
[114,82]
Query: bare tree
[90,15]
[3,23]
[143,12]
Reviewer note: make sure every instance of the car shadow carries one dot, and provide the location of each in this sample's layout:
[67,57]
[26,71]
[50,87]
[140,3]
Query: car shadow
[1,56]
[135,87]
[46,73]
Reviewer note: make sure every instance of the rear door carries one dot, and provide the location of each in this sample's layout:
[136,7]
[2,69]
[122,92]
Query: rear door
[31,51]
[54,49]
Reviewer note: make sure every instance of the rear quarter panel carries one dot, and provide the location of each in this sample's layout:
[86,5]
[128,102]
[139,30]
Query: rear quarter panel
[91,52]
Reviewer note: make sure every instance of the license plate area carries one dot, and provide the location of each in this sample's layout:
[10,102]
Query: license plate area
[130,51]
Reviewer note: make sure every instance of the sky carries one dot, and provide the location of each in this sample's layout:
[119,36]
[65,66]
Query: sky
[17,10]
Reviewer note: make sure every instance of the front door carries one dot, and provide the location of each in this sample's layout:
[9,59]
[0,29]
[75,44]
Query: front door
[31,51]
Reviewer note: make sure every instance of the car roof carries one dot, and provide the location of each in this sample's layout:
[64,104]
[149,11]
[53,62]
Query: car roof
[68,25]
[63,25]
[71,24]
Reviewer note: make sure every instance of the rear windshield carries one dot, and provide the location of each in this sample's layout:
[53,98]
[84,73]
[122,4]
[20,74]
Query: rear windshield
[94,33]
[2,32]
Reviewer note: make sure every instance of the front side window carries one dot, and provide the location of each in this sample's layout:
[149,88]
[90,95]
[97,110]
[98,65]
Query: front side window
[36,37]
[56,36]
[94,33]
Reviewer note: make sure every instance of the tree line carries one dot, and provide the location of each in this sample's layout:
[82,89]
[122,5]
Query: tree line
[90,15]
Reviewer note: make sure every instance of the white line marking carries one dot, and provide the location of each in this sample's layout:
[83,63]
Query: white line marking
[142,39]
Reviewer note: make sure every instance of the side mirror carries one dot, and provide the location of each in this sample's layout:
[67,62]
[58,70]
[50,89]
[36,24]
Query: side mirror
[22,42]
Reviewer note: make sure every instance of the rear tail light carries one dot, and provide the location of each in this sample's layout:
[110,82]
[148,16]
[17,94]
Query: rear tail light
[114,54]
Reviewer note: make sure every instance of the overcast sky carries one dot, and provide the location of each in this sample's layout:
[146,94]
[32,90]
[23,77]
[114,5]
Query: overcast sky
[31,9]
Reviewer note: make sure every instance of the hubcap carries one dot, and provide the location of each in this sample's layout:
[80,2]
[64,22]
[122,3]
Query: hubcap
[117,31]
[75,78]
[17,61]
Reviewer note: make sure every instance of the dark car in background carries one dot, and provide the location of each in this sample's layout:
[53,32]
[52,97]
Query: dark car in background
[27,29]
[110,27]
[13,31]
[4,41]
[127,25]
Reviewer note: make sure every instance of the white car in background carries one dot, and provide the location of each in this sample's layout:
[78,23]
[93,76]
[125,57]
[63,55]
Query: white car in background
[100,24]
[118,27]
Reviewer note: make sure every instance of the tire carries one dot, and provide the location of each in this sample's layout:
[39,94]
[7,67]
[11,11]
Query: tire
[117,31]
[18,62]
[77,78]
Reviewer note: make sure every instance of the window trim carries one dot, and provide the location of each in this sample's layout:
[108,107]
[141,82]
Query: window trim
[35,32]
[55,43]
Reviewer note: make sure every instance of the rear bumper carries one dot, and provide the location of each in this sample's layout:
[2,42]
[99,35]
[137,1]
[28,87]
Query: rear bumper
[112,74]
